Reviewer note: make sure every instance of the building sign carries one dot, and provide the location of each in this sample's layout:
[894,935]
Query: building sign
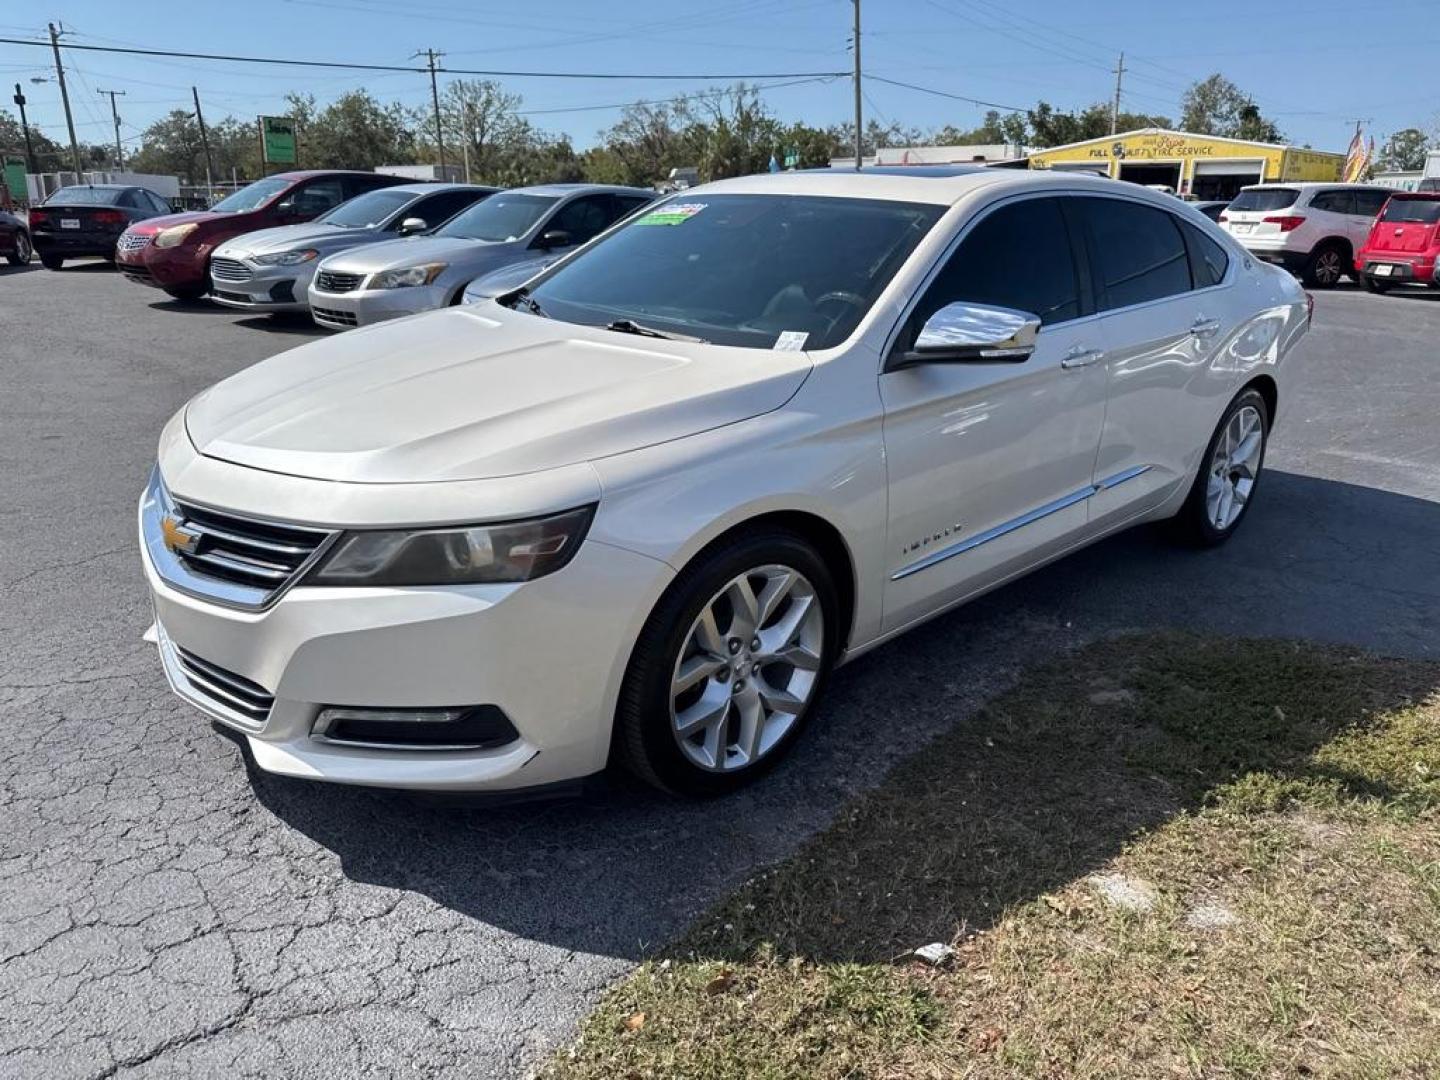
[277,140]
[15,177]
[1116,155]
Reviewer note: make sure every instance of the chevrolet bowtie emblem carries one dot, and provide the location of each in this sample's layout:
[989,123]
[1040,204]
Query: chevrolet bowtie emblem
[178,538]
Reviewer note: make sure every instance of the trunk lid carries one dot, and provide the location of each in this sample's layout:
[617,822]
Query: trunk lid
[1407,225]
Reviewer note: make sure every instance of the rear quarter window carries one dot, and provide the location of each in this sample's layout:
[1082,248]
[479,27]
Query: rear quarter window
[1263,199]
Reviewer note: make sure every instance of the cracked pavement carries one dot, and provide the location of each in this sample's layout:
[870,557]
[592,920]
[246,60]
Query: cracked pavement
[166,911]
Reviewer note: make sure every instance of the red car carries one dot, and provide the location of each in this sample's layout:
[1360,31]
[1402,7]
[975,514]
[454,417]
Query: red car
[173,252]
[1404,244]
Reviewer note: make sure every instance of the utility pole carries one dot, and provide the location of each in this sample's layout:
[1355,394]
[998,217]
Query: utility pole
[119,155]
[30,165]
[859,133]
[205,143]
[65,99]
[431,56]
[1119,83]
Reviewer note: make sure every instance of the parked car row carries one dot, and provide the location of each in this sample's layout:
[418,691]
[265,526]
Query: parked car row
[1323,232]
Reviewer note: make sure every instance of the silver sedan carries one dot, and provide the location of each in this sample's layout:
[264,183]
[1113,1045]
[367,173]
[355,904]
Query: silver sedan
[402,277]
[270,269]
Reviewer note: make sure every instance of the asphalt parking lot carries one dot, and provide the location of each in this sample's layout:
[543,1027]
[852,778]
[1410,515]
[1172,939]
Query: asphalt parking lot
[166,912]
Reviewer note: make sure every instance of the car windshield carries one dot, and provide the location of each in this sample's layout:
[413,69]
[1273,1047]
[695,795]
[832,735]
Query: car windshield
[252,196]
[84,196]
[1414,211]
[758,271]
[1265,199]
[501,217]
[368,210]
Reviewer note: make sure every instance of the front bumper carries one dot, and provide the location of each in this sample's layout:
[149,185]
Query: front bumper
[364,307]
[267,288]
[180,267]
[549,653]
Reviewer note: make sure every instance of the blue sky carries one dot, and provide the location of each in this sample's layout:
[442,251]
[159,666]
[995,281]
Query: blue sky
[1316,69]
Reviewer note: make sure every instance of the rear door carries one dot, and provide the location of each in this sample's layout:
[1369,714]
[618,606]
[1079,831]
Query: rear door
[990,462]
[1168,304]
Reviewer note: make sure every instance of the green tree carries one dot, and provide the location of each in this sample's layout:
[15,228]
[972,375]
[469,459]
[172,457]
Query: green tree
[1216,106]
[1009,128]
[1405,150]
[642,146]
[1051,127]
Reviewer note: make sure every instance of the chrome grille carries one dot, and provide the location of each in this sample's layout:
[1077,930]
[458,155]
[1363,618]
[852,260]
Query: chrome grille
[334,317]
[132,242]
[332,282]
[224,688]
[233,560]
[229,270]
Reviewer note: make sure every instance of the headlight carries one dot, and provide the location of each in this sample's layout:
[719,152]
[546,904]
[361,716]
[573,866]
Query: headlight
[287,258]
[408,277]
[176,234]
[508,552]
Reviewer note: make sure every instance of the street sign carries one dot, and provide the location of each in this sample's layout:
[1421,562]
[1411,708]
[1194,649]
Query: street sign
[277,140]
[792,158]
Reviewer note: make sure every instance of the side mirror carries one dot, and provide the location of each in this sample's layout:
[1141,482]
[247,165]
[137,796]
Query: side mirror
[413,225]
[554,238]
[962,332]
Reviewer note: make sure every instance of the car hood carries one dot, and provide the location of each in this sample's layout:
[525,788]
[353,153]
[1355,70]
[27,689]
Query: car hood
[465,394]
[199,217]
[286,237]
[507,277]
[410,250]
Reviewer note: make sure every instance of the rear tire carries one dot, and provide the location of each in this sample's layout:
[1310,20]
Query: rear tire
[1325,267]
[1229,474]
[22,249]
[1374,285]
[51,262]
[714,697]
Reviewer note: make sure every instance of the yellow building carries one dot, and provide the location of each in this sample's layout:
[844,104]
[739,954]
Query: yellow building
[1202,166]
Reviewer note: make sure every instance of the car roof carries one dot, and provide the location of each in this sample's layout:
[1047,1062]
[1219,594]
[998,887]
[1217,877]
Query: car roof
[571,189]
[940,185]
[1431,195]
[1314,185]
[303,174]
[429,187]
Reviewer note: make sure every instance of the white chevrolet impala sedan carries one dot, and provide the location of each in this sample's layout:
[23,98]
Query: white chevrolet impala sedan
[637,511]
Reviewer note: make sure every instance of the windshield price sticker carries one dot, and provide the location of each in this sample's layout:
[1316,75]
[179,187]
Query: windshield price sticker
[791,341]
[675,214]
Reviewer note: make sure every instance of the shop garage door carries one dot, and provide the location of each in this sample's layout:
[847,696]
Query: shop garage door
[1224,179]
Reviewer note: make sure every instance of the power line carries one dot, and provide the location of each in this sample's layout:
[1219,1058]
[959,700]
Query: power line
[701,95]
[352,66]
[947,94]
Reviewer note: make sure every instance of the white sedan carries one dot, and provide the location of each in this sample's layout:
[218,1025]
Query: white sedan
[637,511]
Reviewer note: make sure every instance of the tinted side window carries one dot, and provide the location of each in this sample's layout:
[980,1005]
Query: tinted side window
[317,196]
[1368,203]
[1137,252]
[1336,202]
[442,207]
[585,218]
[631,203]
[1017,257]
[1208,261]
[158,204]
[358,185]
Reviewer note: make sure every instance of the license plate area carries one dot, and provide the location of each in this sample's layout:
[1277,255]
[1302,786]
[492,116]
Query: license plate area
[69,223]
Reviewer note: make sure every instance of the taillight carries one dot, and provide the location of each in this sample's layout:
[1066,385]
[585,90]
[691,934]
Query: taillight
[1287,222]
[107,217]
[38,217]
[1224,218]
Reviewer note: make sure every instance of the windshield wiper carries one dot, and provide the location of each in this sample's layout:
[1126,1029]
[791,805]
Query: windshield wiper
[532,305]
[630,326]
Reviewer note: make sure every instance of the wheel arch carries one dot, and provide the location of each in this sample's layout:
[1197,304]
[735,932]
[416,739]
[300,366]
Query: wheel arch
[1268,389]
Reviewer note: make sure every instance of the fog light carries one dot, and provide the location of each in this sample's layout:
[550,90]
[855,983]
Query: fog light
[471,727]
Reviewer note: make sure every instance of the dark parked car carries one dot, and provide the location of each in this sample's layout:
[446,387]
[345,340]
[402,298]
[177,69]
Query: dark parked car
[14,239]
[173,252]
[87,220]
[1211,209]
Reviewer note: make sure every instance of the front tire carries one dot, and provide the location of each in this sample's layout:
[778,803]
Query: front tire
[1224,488]
[1325,267]
[730,665]
[1374,285]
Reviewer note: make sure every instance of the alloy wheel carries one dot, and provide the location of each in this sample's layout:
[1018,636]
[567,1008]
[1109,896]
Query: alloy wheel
[1328,267]
[22,248]
[1234,467]
[747,669]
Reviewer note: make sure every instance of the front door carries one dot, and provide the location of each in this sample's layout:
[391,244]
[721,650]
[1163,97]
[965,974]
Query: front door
[990,463]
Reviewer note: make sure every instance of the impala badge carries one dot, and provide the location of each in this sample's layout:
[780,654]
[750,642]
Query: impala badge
[933,538]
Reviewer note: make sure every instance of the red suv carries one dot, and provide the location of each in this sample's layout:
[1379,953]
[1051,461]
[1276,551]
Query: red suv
[1404,244]
[173,252]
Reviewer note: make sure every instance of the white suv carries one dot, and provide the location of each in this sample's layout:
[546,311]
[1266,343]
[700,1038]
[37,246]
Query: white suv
[1313,230]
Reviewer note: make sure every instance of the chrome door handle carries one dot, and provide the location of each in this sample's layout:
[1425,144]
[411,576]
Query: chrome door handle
[1205,327]
[1079,357]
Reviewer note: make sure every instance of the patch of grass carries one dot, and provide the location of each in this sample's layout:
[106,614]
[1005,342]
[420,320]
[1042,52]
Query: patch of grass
[1271,811]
